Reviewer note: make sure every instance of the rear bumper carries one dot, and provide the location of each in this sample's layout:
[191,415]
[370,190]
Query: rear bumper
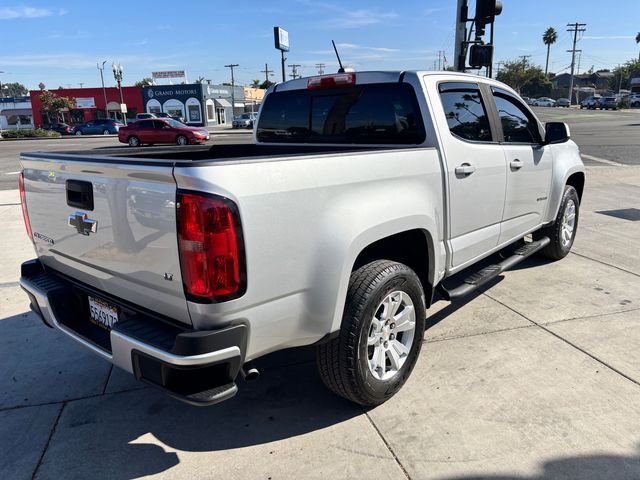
[196,366]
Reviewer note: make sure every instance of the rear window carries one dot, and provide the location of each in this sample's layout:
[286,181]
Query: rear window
[385,113]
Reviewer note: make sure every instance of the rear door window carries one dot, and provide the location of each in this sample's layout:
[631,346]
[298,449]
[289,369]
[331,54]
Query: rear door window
[465,111]
[385,113]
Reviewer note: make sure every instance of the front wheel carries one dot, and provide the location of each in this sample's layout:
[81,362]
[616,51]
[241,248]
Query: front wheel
[562,232]
[380,336]
[106,132]
[182,140]
[78,132]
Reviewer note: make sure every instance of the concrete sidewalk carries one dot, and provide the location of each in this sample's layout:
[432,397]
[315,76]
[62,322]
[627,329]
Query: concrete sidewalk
[538,377]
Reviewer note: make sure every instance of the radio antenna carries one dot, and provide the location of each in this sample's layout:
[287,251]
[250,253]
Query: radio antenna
[341,69]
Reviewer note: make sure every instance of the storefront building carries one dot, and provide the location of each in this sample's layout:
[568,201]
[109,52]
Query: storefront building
[15,112]
[218,100]
[90,104]
[183,101]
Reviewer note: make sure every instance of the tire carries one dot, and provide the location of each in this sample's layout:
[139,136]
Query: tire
[133,141]
[562,237]
[106,132]
[344,362]
[78,132]
[182,140]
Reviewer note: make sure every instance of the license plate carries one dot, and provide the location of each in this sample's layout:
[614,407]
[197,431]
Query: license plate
[102,314]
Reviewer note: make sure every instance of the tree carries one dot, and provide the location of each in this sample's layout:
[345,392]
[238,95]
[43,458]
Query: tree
[145,82]
[255,83]
[524,78]
[266,84]
[42,86]
[200,80]
[52,105]
[622,75]
[14,90]
[549,37]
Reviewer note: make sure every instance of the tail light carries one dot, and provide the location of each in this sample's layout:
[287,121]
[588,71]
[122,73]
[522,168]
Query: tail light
[23,203]
[332,81]
[211,249]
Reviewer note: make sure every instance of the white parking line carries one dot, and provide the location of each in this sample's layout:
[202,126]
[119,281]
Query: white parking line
[602,160]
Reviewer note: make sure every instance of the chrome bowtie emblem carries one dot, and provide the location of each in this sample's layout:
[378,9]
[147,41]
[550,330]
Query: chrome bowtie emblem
[82,223]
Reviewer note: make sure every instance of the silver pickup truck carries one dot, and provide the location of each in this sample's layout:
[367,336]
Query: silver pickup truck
[363,198]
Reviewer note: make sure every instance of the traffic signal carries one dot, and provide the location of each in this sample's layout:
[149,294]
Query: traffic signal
[480,56]
[486,10]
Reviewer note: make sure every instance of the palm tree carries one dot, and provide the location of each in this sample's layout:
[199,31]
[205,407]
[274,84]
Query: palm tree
[638,41]
[549,38]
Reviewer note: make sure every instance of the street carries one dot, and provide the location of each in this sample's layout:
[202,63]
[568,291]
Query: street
[603,137]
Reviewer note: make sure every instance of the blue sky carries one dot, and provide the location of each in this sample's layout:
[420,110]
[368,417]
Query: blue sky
[59,43]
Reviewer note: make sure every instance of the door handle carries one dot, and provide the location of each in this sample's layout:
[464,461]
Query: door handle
[516,164]
[465,169]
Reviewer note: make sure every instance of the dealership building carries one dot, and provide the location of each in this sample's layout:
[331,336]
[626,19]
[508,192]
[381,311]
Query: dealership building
[198,104]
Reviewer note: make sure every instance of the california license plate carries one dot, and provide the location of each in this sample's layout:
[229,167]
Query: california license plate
[102,314]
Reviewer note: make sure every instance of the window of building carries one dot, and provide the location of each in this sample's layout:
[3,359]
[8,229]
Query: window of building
[518,125]
[211,115]
[466,114]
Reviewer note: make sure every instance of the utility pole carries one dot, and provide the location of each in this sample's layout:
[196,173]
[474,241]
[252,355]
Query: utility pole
[574,28]
[233,87]
[460,55]
[294,70]
[266,72]
[525,60]
[104,92]
[439,59]
[320,67]
[499,65]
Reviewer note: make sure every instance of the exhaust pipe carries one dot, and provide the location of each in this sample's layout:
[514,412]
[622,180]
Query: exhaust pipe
[249,372]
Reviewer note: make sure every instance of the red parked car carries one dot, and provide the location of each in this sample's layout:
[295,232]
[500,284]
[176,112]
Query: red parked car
[161,130]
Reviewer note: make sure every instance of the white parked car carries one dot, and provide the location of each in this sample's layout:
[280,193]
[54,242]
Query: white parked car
[544,102]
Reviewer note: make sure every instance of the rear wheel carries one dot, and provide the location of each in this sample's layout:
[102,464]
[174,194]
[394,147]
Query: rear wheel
[106,132]
[133,141]
[562,232]
[380,336]
[182,140]
[78,132]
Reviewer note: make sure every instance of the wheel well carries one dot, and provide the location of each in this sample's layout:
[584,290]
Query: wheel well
[577,181]
[410,248]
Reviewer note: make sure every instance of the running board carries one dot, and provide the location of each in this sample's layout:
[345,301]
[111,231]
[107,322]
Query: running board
[481,277]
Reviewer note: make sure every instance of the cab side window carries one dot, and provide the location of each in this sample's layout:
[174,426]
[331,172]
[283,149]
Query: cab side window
[465,111]
[145,125]
[518,125]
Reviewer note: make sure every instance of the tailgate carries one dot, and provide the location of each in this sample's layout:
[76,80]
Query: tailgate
[109,223]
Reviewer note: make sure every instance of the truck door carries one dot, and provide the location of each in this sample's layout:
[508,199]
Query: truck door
[476,171]
[529,166]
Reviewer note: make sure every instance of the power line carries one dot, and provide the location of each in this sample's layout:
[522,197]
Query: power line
[574,28]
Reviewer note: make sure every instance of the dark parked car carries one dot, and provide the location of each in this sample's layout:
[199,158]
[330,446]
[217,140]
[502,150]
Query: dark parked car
[563,102]
[98,127]
[609,103]
[61,128]
[161,130]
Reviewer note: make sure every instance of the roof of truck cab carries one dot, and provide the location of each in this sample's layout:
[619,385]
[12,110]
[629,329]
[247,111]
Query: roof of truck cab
[383,76]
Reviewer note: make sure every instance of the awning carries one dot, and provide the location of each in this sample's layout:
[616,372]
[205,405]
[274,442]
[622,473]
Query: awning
[221,102]
[16,111]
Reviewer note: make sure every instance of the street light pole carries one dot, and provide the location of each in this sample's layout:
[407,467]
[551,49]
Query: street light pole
[117,74]
[104,91]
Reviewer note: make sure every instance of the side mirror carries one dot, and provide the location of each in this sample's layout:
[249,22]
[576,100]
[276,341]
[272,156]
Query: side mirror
[556,132]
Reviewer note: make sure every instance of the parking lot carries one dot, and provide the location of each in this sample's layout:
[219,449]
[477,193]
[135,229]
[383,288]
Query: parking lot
[535,377]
